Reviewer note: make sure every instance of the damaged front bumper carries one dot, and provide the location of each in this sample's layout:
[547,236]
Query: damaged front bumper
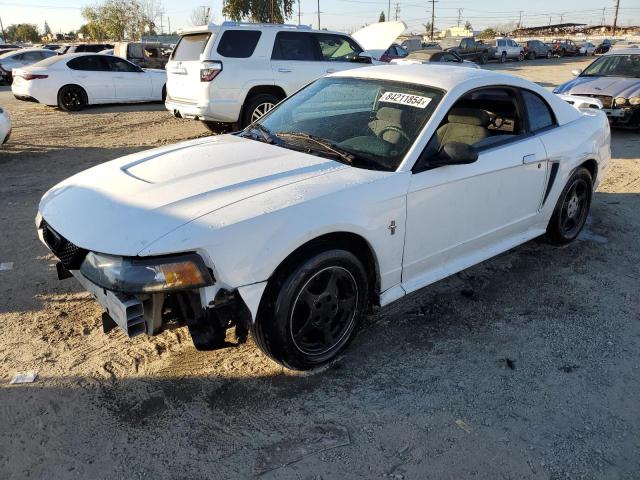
[207,309]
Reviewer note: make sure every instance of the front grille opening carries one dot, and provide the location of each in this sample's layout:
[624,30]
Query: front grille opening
[69,254]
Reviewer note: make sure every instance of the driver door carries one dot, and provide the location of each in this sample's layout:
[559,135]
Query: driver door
[459,215]
[130,82]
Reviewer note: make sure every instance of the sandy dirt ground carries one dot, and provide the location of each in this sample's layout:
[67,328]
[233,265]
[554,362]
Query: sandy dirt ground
[524,367]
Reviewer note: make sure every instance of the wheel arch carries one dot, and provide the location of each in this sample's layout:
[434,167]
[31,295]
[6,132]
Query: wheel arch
[262,89]
[592,166]
[349,241]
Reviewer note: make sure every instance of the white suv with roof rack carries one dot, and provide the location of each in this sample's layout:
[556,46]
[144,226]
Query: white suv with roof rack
[232,74]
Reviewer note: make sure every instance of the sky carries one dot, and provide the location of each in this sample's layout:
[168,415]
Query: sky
[349,15]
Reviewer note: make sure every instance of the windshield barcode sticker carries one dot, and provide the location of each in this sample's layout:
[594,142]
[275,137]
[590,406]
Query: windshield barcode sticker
[405,99]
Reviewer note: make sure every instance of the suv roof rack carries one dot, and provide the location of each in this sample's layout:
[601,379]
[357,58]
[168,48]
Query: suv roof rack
[277,25]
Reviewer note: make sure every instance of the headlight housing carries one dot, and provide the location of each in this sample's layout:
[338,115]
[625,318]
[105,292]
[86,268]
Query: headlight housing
[621,101]
[634,101]
[146,275]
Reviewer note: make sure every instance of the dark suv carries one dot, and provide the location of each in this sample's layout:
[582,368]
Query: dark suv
[565,47]
[536,49]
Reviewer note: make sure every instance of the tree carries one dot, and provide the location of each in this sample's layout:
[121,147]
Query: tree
[200,16]
[488,33]
[46,30]
[22,32]
[468,26]
[427,27]
[381,18]
[122,19]
[272,11]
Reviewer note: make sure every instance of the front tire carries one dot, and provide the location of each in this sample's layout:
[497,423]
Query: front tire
[72,98]
[549,54]
[572,209]
[484,57]
[312,313]
[503,57]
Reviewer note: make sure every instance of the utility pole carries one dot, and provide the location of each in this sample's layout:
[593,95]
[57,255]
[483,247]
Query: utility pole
[433,15]
[459,16]
[389,12]
[4,39]
[397,10]
[520,20]
[169,23]
[615,19]
[603,19]
[561,17]
[298,12]
[271,18]
[318,14]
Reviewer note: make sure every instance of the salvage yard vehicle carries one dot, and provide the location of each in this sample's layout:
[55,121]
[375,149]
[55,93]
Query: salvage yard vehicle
[614,79]
[434,56]
[364,186]
[143,54]
[5,126]
[507,48]
[587,48]
[21,58]
[468,48]
[73,81]
[232,74]
[562,48]
[536,49]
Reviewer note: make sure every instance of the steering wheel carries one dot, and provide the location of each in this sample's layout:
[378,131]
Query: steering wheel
[393,128]
[497,122]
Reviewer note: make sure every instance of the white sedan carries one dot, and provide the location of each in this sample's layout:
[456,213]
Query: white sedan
[362,187]
[5,126]
[74,81]
[587,48]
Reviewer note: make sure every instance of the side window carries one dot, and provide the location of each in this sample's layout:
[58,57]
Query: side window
[48,54]
[32,56]
[18,57]
[116,64]
[538,112]
[294,46]
[135,50]
[501,43]
[337,48]
[238,43]
[92,63]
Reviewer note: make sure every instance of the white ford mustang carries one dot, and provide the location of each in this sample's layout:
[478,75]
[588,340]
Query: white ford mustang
[74,81]
[364,186]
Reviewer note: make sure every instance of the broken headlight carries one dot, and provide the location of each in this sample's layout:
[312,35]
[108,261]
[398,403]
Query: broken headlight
[146,275]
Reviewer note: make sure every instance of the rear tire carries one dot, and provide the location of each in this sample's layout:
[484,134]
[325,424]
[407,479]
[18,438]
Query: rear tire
[549,54]
[572,208]
[563,52]
[164,93]
[310,314]
[520,56]
[257,106]
[532,55]
[72,98]
[483,58]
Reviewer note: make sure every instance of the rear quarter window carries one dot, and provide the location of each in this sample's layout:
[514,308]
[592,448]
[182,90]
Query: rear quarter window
[539,114]
[238,43]
[190,47]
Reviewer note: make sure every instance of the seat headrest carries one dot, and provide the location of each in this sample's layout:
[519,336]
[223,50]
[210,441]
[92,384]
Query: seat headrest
[469,116]
[391,115]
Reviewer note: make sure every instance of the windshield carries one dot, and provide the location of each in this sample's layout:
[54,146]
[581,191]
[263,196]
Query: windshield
[362,122]
[614,66]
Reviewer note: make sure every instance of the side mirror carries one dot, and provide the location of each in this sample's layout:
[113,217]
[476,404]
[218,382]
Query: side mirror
[576,72]
[363,58]
[455,153]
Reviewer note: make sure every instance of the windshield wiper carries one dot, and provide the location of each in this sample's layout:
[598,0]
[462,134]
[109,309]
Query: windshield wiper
[264,132]
[327,145]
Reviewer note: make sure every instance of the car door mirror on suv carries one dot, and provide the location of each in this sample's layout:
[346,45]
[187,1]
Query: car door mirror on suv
[576,71]
[363,58]
[455,153]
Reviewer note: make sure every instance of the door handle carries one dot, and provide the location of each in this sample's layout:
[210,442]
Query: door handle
[331,70]
[284,70]
[531,158]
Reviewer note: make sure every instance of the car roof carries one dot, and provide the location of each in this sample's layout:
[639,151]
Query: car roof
[212,27]
[438,76]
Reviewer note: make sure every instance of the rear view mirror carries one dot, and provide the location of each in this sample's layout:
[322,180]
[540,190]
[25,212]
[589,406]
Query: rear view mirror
[576,72]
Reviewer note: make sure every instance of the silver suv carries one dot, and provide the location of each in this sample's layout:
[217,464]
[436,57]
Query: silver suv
[232,74]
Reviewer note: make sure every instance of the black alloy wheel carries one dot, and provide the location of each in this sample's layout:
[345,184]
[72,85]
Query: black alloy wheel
[310,312]
[572,209]
[72,98]
[324,311]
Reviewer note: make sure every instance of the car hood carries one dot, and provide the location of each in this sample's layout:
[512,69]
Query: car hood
[610,86]
[376,38]
[122,206]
